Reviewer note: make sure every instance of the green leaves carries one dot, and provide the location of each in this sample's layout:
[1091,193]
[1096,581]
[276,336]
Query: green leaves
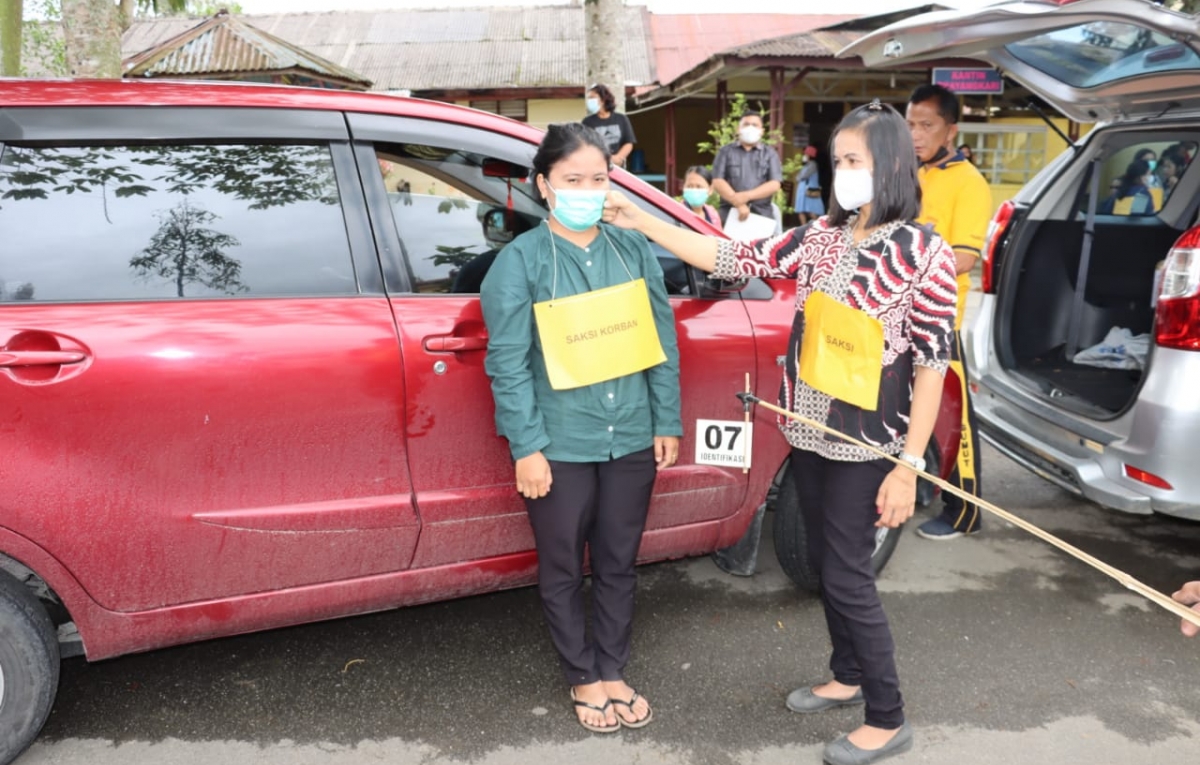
[185,251]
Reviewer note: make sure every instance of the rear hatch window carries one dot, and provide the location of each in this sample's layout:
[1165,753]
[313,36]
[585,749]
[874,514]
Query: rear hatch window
[1095,54]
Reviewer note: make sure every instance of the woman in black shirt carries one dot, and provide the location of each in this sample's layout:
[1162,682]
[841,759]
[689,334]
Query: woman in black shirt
[612,126]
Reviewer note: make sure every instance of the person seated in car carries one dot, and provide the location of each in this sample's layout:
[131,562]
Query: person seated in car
[499,228]
[1133,196]
[1170,166]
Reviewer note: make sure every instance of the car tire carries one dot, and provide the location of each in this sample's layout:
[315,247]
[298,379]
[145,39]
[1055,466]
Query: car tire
[29,665]
[926,491]
[791,539]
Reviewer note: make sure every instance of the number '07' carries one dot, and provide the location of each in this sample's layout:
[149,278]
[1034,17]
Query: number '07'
[714,438]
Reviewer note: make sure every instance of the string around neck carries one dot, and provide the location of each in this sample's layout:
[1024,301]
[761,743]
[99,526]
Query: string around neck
[554,253]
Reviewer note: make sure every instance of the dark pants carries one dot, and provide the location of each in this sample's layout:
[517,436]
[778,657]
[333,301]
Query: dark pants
[964,516]
[838,500]
[602,504]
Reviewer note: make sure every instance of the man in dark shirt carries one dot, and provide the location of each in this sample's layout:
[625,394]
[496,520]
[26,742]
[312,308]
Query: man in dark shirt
[747,173]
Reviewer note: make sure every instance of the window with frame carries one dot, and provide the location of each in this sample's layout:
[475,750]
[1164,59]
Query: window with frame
[517,109]
[455,210]
[452,214]
[148,222]
[1138,179]
[1100,52]
[1005,154]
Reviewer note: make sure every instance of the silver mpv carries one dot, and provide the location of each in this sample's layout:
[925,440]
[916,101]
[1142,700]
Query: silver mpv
[1085,354]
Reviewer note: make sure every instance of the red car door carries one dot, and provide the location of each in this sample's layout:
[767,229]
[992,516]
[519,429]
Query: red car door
[436,199]
[196,355]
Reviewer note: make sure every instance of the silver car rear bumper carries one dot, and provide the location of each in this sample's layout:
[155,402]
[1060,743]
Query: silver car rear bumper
[1162,439]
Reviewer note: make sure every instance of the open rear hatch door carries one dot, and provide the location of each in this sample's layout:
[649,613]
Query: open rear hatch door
[1093,60]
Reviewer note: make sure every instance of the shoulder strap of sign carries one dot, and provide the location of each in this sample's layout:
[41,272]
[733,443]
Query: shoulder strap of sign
[554,254]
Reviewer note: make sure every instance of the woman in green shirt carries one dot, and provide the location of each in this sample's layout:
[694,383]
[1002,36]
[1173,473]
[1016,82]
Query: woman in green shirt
[586,457]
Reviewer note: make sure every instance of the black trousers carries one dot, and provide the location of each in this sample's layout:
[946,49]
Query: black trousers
[964,516]
[838,501]
[602,505]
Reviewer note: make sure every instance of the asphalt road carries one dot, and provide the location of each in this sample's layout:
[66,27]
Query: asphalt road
[1009,652]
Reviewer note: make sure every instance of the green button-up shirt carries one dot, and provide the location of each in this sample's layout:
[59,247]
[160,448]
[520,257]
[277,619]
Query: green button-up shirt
[594,423]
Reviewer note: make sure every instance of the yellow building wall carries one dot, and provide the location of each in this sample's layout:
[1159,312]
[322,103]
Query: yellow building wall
[543,112]
[1006,188]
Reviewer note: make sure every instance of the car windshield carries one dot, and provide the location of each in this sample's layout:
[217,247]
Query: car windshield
[1101,52]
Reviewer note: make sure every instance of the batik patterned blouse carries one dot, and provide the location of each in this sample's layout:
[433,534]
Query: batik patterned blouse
[902,274]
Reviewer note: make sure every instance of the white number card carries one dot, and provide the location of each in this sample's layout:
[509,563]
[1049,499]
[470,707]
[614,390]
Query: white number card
[724,442]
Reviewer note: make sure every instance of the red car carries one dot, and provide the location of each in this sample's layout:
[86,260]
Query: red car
[241,370]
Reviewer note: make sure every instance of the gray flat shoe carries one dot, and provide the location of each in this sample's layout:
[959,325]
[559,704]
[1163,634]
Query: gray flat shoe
[842,752]
[804,701]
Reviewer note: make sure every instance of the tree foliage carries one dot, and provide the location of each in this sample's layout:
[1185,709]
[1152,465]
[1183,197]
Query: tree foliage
[185,251]
[43,41]
[44,49]
[10,37]
[263,175]
[187,248]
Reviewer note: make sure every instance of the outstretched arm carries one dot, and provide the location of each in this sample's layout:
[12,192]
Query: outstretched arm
[694,249]
[776,257]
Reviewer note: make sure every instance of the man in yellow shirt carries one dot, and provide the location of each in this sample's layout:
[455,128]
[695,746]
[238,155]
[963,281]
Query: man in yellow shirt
[956,201]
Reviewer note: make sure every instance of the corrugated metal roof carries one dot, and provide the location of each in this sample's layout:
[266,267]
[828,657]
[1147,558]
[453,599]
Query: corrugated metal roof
[440,50]
[225,44]
[682,41]
[816,44]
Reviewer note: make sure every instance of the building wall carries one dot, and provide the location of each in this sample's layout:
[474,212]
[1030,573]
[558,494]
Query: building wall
[1018,153]
[543,112]
[693,119]
[1039,138]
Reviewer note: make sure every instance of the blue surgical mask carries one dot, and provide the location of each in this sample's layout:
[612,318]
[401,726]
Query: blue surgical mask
[695,197]
[578,209]
[593,105]
[1153,164]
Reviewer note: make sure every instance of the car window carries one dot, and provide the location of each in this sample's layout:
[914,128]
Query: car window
[1099,52]
[183,221]
[1138,179]
[452,212]
[456,209]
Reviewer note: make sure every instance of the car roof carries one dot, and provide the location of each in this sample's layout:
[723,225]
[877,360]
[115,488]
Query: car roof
[18,92]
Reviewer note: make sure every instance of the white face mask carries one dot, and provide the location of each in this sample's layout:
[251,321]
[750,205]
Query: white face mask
[853,188]
[750,134]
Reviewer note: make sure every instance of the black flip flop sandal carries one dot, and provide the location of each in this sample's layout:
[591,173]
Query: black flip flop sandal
[602,710]
[629,705]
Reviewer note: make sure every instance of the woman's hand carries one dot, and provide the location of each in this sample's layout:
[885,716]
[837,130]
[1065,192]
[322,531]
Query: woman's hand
[533,476]
[1189,595]
[666,451]
[619,211]
[897,498]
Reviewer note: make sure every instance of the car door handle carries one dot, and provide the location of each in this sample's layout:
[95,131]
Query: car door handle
[455,343]
[39,358]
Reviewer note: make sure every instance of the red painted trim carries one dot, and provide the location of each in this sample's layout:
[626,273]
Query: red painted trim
[109,633]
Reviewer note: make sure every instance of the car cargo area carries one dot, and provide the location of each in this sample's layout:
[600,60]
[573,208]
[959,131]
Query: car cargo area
[1116,293]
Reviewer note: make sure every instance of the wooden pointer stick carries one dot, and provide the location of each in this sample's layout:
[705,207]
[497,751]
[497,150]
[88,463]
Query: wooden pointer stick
[1145,590]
